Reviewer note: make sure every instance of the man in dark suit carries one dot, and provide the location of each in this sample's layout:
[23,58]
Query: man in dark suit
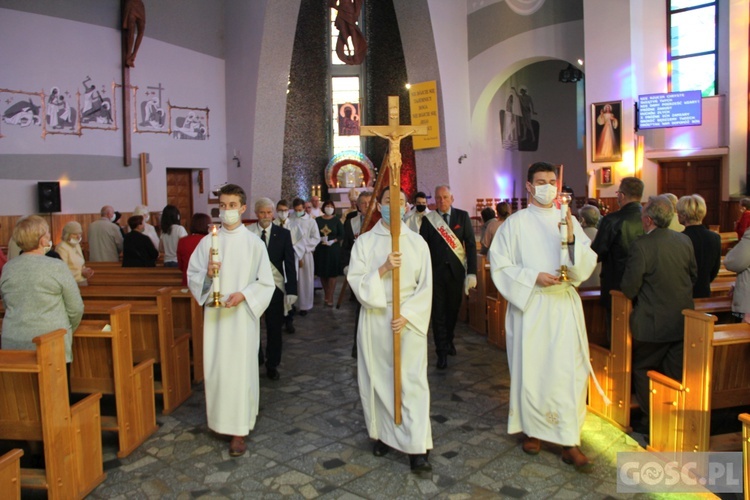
[281,254]
[658,278]
[352,229]
[454,267]
[617,231]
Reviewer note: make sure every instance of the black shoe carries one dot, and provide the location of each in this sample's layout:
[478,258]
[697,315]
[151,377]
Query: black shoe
[303,313]
[272,373]
[442,362]
[380,449]
[419,463]
[290,327]
[452,350]
[354,352]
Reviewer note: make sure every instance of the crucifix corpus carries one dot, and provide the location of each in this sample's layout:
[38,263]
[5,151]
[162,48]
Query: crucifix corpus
[133,27]
[394,132]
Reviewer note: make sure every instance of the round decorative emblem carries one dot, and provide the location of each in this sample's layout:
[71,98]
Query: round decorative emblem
[524,7]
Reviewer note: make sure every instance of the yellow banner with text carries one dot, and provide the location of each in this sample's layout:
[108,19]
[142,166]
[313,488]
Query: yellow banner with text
[424,113]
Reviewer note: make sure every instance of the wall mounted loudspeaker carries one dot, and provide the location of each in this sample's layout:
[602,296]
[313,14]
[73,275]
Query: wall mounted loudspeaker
[49,197]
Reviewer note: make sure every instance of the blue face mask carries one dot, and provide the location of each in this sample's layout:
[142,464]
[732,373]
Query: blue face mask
[300,213]
[385,212]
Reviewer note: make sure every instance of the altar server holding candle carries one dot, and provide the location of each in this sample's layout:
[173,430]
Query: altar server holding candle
[231,333]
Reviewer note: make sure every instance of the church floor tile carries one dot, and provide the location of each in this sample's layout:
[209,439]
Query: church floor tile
[310,439]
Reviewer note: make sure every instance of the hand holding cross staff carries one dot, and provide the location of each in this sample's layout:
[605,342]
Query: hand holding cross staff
[394,132]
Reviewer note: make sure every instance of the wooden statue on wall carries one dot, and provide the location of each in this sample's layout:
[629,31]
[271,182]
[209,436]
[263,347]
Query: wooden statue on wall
[133,26]
[346,23]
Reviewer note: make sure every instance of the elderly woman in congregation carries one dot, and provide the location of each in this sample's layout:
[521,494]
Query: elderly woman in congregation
[38,292]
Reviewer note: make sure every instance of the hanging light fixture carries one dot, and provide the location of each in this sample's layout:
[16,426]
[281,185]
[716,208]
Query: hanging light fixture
[571,74]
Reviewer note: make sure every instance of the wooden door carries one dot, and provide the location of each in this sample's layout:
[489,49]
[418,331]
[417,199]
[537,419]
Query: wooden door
[180,193]
[701,177]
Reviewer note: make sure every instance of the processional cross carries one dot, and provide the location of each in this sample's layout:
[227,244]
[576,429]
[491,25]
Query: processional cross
[394,132]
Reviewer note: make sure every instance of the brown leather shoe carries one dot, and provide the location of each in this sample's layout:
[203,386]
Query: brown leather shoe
[575,457]
[531,445]
[237,447]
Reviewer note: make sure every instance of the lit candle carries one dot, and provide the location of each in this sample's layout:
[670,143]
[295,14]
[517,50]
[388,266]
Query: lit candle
[215,256]
[338,184]
[363,183]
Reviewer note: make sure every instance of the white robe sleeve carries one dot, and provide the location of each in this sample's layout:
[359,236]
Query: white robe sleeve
[258,294]
[418,307]
[365,279]
[198,281]
[311,237]
[582,257]
[512,280]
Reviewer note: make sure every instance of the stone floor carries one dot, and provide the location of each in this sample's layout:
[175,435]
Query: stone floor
[310,439]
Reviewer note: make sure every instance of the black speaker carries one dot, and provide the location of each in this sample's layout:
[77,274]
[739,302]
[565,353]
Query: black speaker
[49,197]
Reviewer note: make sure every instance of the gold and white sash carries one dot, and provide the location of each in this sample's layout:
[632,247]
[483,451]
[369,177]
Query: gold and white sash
[448,236]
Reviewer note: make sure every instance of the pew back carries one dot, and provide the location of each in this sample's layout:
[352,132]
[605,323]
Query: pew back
[10,474]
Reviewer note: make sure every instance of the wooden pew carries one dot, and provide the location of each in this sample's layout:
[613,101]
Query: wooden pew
[613,366]
[716,374]
[187,314]
[497,307]
[34,406]
[153,338]
[745,419]
[103,362]
[136,276]
[477,302]
[10,474]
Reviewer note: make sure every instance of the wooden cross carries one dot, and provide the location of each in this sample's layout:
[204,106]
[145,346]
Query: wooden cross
[394,132]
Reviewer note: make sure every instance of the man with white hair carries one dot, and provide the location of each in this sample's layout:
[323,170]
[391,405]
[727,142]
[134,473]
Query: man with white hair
[281,254]
[105,238]
[315,207]
[148,230]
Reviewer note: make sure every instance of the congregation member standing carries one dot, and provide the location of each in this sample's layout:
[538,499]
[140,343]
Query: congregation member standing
[328,251]
[315,209]
[658,278]
[171,232]
[370,276]
[617,231]
[231,333]
[305,248]
[547,347]
[138,251]
[503,211]
[453,250]
[70,252]
[39,293]
[589,217]
[148,229]
[278,242]
[186,246]
[738,260]
[706,244]
[105,238]
[744,221]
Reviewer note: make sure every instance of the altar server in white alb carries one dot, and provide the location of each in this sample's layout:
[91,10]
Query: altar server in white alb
[370,277]
[231,333]
[547,346]
[304,248]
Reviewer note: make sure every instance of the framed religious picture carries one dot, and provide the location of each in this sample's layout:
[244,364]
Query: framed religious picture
[606,122]
[605,176]
[188,123]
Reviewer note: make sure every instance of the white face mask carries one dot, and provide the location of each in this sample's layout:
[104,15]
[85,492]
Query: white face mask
[301,213]
[283,214]
[112,219]
[545,194]
[229,217]
[74,241]
[145,217]
[329,210]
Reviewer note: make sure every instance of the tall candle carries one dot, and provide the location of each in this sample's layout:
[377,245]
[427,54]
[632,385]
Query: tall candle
[563,232]
[215,255]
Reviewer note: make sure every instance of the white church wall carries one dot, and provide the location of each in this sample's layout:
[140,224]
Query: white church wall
[41,52]
[488,72]
[451,45]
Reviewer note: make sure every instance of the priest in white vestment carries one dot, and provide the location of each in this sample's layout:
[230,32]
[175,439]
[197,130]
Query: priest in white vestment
[231,333]
[370,277]
[546,340]
[304,248]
